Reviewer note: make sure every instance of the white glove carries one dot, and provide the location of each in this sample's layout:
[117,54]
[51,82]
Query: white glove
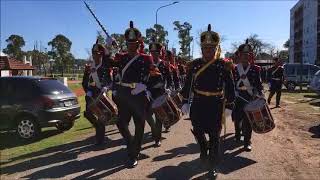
[89,93]
[149,95]
[139,88]
[185,109]
[168,91]
[105,89]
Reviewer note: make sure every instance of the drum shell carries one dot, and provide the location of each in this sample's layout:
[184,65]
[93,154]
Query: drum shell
[177,98]
[168,112]
[260,116]
[103,108]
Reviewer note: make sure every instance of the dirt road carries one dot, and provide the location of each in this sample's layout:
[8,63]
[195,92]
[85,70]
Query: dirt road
[290,151]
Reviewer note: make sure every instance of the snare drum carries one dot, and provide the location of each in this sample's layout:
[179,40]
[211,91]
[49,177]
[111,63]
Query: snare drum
[166,110]
[103,108]
[259,116]
[177,99]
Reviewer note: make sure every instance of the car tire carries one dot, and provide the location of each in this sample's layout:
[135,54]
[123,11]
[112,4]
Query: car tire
[64,126]
[291,86]
[27,128]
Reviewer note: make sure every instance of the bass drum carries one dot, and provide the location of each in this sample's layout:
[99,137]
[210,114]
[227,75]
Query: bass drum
[259,116]
[166,110]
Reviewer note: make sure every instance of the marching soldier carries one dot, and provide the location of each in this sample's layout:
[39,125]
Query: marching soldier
[248,87]
[213,88]
[159,88]
[96,77]
[131,92]
[275,78]
[174,71]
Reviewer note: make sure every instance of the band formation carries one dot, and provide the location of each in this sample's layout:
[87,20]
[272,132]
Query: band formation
[161,89]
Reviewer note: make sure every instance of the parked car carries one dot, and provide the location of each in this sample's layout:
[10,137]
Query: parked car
[292,74]
[315,83]
[28,104]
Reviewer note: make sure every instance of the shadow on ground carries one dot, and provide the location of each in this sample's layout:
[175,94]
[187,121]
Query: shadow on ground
[186,170]
[315,130]
[11,139]
[63,160]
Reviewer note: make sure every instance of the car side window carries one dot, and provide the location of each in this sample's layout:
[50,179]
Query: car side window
[23,90]
[4,89]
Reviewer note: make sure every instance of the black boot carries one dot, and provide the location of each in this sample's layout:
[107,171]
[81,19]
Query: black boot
[201,139]
[247,147]
[132,163]
[212,174]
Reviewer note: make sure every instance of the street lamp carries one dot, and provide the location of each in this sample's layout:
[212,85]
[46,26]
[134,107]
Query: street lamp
[175,2]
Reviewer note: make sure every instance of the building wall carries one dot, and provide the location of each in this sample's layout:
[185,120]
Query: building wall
[303,32]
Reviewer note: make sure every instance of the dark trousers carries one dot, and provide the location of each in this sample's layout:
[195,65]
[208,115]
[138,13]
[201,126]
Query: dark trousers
[278,96]
[155,125]
[241,122]
[131,106]
[98,125]
[213,145]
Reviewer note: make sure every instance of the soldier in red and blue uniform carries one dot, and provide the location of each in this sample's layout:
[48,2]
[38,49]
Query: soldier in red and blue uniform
[248,87]
[130,93]
[160,84]
[211,82]
[275,78]
[96,77]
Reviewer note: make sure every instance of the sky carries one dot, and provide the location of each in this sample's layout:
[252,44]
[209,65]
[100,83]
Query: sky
[234,20]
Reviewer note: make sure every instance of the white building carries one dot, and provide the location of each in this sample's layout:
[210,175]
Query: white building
[304,29]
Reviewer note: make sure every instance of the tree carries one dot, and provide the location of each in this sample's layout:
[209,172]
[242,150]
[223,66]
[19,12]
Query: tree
[13,49]
[101,38]
[61,47]
[287,44]
[121,41]
[157,33]
[284,55]
[185,38]
[39,59]
[257,45]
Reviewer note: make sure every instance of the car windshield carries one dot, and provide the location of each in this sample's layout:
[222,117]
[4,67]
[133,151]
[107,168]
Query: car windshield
[52,87]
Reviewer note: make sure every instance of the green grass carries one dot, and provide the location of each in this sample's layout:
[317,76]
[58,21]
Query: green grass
[12,148]
[74,86]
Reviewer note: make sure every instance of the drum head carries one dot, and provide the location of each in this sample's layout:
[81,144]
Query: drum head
[255,104]
[159,101]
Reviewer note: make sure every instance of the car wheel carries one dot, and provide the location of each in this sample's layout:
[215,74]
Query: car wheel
[291,86]
[27,128]
[64,126]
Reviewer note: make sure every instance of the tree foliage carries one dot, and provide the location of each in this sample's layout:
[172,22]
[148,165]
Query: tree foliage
[157,32]
[287,44]
[256,43]
[101,38]
[60,51]
[121,41]
[184,37]
[13,49]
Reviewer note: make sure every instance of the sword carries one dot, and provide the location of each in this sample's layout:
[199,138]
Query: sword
[97,20]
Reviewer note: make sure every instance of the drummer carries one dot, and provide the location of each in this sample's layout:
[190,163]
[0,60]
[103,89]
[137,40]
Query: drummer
[96,76]
[248,87]
[159,87]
